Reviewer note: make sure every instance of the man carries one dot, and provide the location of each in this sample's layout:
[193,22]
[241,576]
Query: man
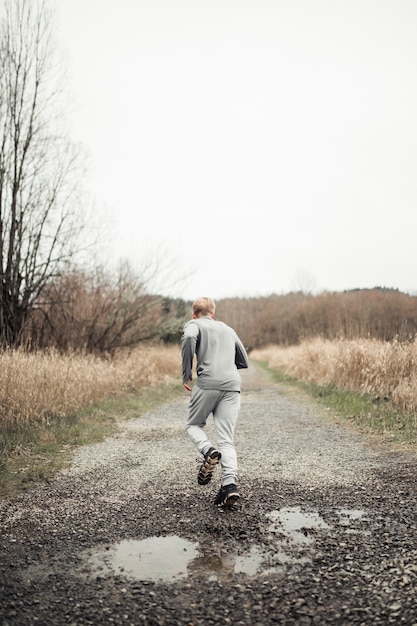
[220,353]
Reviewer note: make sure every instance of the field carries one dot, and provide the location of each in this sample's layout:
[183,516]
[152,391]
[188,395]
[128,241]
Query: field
[370,382]
[51,403]
[40,386]
[382,369]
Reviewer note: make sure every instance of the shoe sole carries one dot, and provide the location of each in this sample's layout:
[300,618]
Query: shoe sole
[232,500]
[205,472]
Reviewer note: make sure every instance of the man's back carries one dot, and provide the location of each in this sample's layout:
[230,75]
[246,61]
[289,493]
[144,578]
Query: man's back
[219,354]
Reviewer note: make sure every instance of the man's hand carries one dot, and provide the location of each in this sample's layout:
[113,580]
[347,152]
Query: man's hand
[188,388]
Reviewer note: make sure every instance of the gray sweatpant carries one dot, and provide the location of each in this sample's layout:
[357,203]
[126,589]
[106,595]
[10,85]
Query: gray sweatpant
[224,405]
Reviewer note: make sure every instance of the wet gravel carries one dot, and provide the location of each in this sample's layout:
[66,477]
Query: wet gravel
[356,565]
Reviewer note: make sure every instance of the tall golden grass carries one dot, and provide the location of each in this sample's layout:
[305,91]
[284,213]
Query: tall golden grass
[386,369]
[39,386]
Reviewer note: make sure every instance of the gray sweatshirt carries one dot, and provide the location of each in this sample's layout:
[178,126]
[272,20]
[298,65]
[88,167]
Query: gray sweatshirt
[220,353]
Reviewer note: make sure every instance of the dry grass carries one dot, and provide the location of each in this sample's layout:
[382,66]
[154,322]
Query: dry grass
[384,369]
[38,387]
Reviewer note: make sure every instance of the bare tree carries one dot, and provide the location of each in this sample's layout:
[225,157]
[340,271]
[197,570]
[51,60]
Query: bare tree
[102,311]
[38,223]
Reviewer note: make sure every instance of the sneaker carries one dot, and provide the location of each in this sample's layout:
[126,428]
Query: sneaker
[211,459]
[227,496]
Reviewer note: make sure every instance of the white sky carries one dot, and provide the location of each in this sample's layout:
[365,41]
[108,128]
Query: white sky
[262,143]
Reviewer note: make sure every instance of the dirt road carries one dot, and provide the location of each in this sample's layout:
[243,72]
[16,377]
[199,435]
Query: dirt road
[325,533]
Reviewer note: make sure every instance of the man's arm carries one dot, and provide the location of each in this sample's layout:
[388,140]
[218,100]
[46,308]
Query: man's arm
[241,357]
[188,345]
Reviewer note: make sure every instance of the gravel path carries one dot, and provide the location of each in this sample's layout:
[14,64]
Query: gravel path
[325,532]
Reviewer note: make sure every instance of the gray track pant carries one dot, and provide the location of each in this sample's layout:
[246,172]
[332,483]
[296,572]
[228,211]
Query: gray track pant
[224,405]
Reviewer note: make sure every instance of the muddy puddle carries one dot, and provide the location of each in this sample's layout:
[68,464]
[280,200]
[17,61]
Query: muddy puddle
[170,558]
[295,524]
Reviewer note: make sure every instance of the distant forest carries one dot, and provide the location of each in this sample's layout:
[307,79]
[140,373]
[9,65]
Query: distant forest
[91,315]
[379,313]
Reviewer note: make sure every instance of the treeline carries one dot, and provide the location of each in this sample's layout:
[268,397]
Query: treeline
[98,312]
[379,313]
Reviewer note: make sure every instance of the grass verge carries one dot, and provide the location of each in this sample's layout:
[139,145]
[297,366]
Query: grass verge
[371,415]
[36,452]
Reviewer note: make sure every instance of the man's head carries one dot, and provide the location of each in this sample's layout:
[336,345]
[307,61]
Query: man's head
[203,306]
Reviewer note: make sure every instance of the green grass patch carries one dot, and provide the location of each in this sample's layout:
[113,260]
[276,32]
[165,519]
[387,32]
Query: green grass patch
[376,416]
[34,453]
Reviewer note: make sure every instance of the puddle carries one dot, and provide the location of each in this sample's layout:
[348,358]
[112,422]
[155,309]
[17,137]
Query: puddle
[295,524]
[348,517]
[220,565]
[155,558]
[171,558]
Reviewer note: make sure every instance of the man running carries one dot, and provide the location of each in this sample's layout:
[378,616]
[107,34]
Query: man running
[220,353]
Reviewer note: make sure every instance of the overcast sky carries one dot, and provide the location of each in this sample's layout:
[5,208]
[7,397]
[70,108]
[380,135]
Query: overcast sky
[265,144]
